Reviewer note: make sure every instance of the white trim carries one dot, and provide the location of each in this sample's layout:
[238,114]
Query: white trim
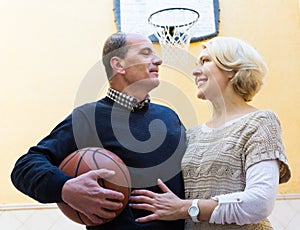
[289,196]
[27,206]
[34,206]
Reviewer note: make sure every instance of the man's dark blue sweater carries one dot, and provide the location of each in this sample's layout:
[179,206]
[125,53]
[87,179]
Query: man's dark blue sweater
[151,142]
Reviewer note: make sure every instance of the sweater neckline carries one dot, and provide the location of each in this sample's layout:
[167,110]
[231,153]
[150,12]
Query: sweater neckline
[206,128]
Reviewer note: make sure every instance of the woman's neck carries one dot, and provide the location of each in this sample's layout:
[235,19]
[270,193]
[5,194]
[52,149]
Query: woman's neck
[228,110]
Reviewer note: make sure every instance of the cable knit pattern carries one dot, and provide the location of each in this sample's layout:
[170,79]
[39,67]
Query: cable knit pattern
[216,159]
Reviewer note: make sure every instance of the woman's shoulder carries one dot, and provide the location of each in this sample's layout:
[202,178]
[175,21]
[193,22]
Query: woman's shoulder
[194,132]
[255,118]
[194,129]
[263,117]
[264,113]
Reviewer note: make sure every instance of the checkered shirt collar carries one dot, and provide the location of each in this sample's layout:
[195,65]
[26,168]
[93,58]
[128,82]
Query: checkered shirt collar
[127,101]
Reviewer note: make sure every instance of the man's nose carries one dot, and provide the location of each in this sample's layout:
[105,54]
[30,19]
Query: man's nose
[157,60]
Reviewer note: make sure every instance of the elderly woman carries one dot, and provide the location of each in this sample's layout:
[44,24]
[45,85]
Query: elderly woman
[234,161]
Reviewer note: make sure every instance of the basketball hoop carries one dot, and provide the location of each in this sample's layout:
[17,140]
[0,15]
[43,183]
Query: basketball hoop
[173,29]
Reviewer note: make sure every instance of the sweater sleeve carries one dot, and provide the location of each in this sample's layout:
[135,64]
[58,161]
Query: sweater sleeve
[36,173]
[256,202]
[264,142]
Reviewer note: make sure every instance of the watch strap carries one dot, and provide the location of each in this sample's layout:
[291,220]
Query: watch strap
[195,203]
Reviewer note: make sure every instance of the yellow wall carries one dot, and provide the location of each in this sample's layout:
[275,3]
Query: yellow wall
[48,60]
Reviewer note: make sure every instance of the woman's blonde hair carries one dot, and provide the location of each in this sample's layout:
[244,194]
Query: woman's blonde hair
[232,54]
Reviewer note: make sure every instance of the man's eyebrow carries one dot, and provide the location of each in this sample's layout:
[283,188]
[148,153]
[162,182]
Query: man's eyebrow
[147,49]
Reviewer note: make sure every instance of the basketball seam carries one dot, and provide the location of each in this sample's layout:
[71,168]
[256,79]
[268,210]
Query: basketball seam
[80,162]
[124,175]
[65,164]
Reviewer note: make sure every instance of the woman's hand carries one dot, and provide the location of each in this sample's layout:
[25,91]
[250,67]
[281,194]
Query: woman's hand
[164,206]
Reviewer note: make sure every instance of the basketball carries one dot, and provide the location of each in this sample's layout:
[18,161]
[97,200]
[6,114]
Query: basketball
[91,158]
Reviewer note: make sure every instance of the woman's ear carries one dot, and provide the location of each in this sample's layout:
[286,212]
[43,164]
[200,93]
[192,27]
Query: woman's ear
[116,65]
[231,75]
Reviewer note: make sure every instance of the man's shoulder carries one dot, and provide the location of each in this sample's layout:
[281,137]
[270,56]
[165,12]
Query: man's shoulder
[92,105]
[161,107]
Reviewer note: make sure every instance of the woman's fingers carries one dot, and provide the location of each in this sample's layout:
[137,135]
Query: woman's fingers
[143,192]
[143,206]
[162,186]
[146,218]
[140,199]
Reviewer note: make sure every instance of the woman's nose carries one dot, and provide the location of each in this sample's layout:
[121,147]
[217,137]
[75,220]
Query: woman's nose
[197,70]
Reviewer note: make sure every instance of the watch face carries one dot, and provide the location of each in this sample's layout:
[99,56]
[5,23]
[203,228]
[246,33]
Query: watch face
[193,211]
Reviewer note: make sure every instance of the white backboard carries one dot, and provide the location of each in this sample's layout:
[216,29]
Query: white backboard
[132,16]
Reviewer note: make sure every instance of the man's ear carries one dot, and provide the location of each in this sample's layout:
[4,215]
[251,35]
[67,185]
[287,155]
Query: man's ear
[117,66]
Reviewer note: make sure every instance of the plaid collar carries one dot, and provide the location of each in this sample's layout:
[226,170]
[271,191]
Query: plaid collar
[127,101]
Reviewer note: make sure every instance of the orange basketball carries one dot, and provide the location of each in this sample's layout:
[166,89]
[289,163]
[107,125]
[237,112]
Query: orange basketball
[84,160]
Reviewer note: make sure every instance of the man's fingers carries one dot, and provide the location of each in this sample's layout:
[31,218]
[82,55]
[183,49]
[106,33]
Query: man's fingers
[96,219]
[105,214]
[106,192]
[111,204]
[101,216]
[106,211]
[103,173]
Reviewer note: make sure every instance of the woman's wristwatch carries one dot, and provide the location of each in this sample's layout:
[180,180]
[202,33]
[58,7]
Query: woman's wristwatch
[194,210]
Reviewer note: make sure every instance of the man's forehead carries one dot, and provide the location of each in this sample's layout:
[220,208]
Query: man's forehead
[137,36]
[140,45]
[136,39]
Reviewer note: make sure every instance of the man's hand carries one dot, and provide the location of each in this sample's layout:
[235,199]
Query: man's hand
[84,194]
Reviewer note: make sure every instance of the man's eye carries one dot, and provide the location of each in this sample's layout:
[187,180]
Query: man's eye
[146,52]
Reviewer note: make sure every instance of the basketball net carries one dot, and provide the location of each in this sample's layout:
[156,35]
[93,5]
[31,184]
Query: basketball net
[173,29]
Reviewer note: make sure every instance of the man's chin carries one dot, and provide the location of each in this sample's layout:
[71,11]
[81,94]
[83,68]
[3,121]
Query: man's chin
[146,84]
[153,83]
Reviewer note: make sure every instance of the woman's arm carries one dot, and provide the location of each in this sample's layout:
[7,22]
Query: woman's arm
[250,206]
[166,205]
[256,202]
